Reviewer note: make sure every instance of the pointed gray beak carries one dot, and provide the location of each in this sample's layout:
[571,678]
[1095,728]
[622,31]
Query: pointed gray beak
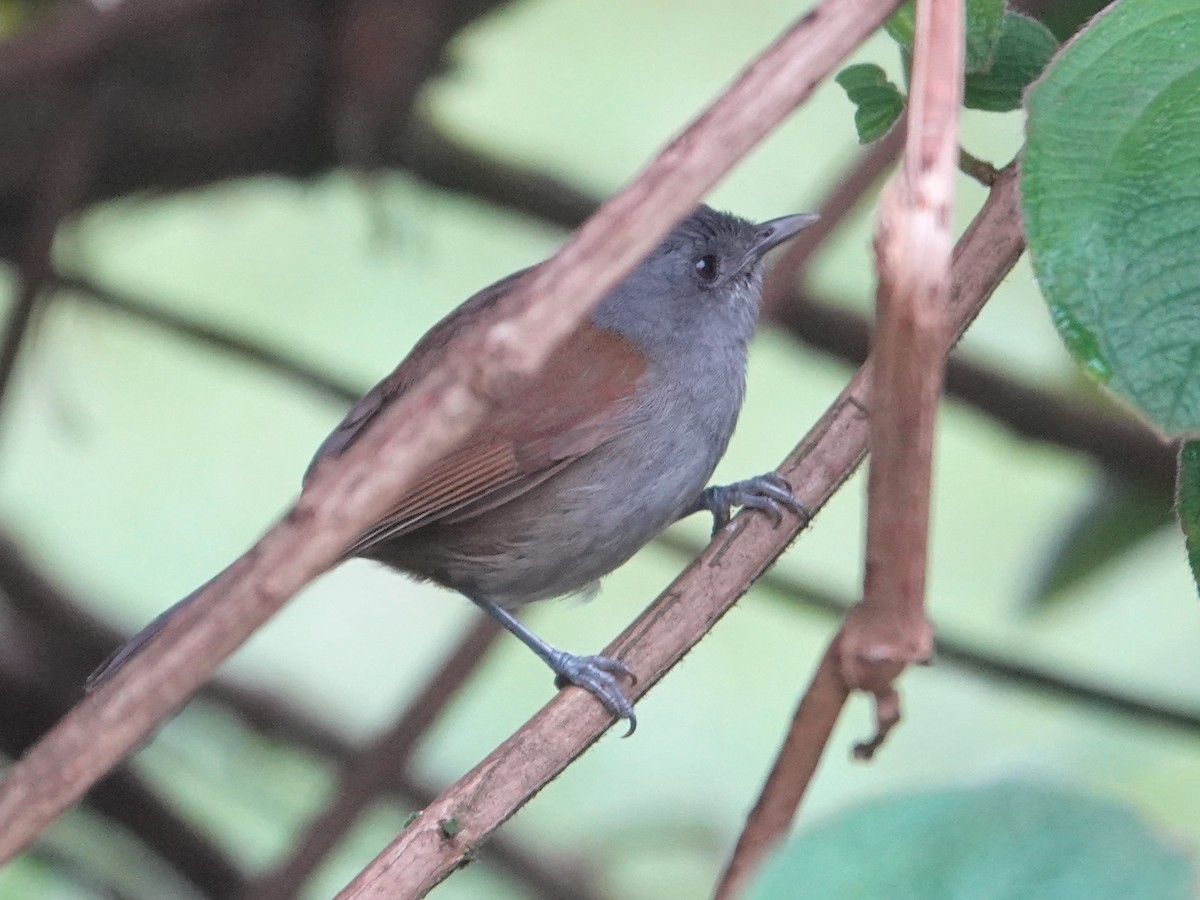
[773,233]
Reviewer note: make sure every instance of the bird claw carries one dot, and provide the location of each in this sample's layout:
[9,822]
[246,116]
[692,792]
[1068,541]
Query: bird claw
[599,675]
[769,493]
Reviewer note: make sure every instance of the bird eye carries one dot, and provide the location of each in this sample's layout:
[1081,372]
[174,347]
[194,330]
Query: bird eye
[706,267]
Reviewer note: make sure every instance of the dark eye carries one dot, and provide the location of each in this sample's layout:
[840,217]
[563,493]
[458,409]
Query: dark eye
[706,267]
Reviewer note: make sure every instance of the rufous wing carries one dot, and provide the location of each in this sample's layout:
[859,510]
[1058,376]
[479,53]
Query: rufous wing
[579,400]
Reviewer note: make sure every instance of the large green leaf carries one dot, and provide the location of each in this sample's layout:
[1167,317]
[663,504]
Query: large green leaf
[1111,188]
[1187,502]
[1010,841]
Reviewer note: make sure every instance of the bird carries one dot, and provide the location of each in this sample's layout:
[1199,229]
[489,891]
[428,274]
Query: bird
[612,441]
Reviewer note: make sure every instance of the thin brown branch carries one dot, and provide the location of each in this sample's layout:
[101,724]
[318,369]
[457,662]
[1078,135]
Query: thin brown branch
[484,798]
[888,629]
[809,733]
[376,767]
[1116,441]
[482,366]
[796,764]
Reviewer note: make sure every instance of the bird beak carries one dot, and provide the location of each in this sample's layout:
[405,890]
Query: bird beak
[773,233]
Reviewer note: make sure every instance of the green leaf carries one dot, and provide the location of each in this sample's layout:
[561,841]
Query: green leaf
[1025,48]
[1003,842]
[1187,502]
[1112,206]
[1117,518]
[878,102]
[984,25]
[901,25]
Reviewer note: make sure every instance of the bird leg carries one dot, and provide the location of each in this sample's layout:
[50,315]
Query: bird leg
[597,674]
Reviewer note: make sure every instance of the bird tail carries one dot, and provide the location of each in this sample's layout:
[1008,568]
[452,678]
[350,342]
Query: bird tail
[134,645]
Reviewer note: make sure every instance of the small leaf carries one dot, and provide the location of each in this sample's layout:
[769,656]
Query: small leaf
[1111,207]
[1025,48]
[878,102]
[901,25]
[985,27]
[1113,521]
[1028,841]
[1187,502]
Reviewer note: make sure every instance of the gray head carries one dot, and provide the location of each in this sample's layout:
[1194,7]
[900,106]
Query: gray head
[703,282]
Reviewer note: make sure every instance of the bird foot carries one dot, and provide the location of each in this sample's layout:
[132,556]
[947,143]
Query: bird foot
[601,677]
[768,493]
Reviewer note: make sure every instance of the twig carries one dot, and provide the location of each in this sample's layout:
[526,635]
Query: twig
[374,768]
[236,345]
[973,167]
[60,189]
[888,629]
[482,366]
[810,730]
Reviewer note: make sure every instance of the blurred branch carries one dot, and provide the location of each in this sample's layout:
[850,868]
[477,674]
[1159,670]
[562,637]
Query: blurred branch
[1116,441]
[244,348]
[375,767]
[451,165]
[481,367]
[71,642]
[918,266]
[792,261]
[967,656]
[60,186]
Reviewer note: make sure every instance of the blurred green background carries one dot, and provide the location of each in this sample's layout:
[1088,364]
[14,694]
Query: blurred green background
[136,465]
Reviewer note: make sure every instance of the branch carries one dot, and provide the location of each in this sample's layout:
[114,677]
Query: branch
[370,771]
[982,258]
[962,654]
[482,366]
[243,348]
[888,629]
[60,188]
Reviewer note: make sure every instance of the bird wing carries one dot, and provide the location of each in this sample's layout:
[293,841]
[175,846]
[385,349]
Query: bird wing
[579,400]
